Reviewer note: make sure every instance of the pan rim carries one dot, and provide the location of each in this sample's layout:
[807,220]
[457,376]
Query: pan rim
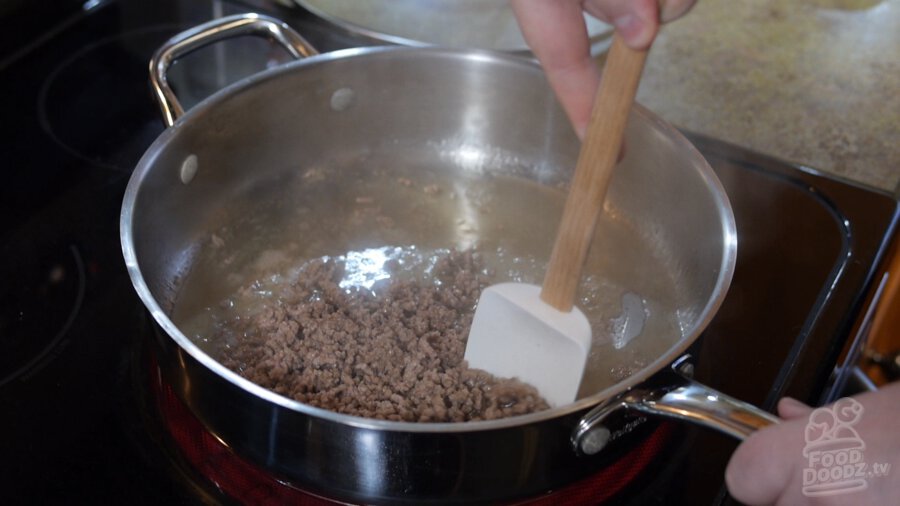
[144,166]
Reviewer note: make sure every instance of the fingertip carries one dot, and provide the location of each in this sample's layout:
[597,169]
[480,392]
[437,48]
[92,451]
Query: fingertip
[581,129]
[732,477]
[738,468]
[637,33]
[790,408]
[747,470]
[767,464]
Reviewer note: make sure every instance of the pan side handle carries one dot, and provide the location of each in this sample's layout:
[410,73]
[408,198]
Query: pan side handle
[211,32]
[688,401]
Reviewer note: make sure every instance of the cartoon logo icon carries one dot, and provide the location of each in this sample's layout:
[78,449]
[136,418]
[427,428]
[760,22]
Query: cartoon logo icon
[834,450]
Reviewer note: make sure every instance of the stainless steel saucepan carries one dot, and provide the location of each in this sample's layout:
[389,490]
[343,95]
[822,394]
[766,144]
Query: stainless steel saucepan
[480,123]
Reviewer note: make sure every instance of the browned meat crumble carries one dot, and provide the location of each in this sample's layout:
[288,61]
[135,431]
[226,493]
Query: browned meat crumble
[396,356]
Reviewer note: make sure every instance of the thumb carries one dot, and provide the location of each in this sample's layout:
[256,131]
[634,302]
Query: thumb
[638,24]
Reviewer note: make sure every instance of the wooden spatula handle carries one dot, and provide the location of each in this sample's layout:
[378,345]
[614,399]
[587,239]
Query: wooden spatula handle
[598,156]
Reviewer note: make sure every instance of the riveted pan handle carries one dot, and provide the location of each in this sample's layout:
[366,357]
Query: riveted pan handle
[685,400]
[208,33]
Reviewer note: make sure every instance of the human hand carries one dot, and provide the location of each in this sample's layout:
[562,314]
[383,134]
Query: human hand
[556,32]
[770,466]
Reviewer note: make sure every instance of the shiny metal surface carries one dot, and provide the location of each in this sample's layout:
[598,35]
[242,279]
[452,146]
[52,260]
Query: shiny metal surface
[688,401]
[209,33]
[465,105]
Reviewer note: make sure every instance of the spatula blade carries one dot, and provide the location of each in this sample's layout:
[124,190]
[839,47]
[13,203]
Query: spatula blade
[516,334]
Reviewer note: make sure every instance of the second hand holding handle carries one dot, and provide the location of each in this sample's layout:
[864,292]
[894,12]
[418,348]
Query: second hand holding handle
[596,160]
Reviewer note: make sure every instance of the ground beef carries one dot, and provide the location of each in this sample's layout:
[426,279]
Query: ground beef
[395,356]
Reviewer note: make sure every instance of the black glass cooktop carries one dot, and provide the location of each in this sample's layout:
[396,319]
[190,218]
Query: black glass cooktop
[77,115]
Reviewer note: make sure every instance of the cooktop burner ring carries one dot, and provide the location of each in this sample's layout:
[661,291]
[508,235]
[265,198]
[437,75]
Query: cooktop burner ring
[80,105]
[36,351]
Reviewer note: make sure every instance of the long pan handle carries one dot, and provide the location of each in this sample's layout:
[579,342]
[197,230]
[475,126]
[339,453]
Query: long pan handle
[687,401]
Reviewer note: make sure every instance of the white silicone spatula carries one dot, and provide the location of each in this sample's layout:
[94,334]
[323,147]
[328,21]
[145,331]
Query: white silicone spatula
[537,334]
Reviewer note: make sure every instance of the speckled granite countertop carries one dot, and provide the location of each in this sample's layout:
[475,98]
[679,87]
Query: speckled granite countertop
[815,82]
